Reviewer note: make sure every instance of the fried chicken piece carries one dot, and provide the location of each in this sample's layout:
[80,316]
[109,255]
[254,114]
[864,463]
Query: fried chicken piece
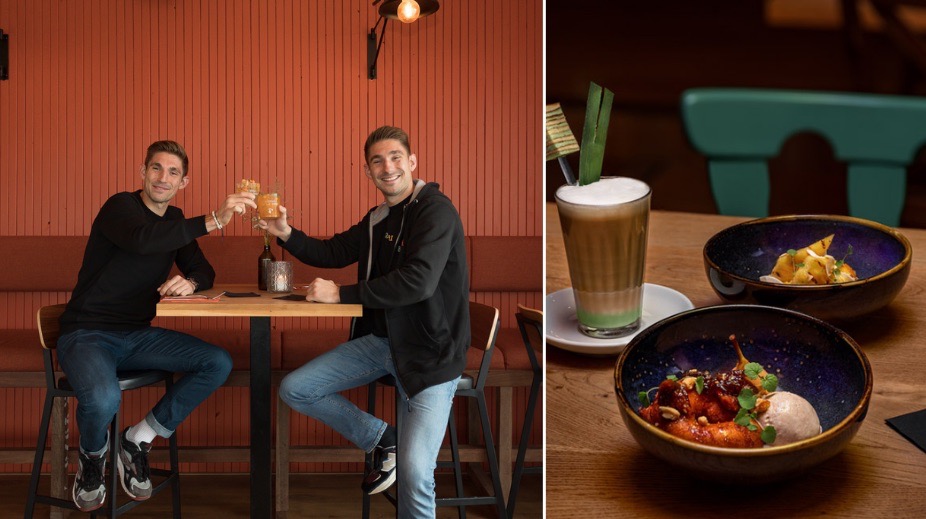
[723,434]
[705,417]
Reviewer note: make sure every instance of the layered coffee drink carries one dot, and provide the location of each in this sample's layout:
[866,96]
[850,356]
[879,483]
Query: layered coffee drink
[604,229]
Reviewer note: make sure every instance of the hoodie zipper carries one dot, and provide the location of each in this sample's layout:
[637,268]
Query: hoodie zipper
[395,247]
[419,186]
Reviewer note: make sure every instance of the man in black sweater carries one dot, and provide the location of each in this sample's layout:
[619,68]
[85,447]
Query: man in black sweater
[106,327]
[414,287]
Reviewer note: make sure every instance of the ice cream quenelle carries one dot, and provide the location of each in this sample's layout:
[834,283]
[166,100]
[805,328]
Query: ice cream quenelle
[792,416]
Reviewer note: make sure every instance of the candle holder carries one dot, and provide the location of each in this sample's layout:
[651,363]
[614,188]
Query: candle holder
[280,276]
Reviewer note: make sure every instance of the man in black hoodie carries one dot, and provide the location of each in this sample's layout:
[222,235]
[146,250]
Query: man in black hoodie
[106,327]
[414,288]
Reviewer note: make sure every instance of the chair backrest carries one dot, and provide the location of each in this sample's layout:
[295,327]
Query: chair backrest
[483,329]
[739,130]
[483,326]
[530,321]
[49,328]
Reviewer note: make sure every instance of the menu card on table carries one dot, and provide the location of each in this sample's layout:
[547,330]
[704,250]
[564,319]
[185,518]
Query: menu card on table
[911,426]
[192,298]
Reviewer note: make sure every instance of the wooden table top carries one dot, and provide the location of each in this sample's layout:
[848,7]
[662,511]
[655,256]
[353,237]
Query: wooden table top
[263,306]
[594,468]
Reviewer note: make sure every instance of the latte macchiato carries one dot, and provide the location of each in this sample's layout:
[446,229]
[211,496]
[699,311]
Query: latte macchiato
[604,228]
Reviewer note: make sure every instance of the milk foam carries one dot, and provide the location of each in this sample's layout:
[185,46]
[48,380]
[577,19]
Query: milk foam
[607,191]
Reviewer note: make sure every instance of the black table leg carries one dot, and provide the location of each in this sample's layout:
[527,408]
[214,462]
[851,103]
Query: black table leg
[261,486]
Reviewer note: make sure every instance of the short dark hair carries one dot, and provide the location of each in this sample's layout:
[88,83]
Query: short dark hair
[172,147]
[384,133]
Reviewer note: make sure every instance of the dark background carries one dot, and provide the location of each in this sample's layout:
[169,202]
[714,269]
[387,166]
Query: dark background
[648,53]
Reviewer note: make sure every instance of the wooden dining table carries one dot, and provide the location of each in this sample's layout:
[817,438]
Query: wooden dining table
[594,467]
[259,309]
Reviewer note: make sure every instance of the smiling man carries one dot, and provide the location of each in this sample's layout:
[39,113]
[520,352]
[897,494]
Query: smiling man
[414,288]
[134,241]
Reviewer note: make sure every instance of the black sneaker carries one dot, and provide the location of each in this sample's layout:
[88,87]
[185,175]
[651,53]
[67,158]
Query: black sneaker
[383,474]
[89,491]
[134,472]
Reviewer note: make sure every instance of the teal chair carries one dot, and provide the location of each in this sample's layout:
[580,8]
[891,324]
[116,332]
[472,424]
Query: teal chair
[739,130]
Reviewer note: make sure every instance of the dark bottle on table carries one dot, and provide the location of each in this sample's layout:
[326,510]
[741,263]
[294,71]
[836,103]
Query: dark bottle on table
[263,263]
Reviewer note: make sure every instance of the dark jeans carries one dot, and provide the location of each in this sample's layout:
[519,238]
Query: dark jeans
[91,358]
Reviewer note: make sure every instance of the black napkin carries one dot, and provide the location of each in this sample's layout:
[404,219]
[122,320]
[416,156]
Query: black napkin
[291,297]
[241,294]
[911,426]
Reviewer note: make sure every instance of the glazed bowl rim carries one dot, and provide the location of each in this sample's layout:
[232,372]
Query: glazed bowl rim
[897,235]
[859,410]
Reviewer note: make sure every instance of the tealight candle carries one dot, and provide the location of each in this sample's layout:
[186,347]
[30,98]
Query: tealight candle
[280,276]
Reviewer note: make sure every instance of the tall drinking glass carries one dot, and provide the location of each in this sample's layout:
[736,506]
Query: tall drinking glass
[268,202]
[268,205]
[248,185]
[604,229]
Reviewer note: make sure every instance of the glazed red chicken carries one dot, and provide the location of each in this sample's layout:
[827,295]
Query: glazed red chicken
[705,418]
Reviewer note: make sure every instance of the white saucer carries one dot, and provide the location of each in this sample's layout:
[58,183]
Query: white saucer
[562,329]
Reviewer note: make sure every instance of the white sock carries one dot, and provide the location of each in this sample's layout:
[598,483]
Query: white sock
[141,432]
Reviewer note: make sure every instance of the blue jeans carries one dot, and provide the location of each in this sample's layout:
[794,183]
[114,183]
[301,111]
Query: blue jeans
[313,390]
[90,359]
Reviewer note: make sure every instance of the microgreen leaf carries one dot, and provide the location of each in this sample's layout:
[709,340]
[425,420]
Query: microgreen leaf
[770,382]
[643,398]
[672,377]
[842,262]
[747,399]
[800,265]
[768,435]
[743,417]
[752,370]
[699,384]
[792,252]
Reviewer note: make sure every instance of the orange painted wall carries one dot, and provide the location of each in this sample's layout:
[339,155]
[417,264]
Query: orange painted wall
[269,89]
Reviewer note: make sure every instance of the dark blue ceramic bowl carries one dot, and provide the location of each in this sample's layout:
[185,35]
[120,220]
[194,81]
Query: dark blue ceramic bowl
[737,256]
[810,357]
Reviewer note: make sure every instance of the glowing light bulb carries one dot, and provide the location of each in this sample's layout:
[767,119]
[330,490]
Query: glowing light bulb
[408,11]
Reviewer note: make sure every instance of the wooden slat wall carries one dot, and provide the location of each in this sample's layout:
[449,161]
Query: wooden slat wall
[274,90]
[268,89]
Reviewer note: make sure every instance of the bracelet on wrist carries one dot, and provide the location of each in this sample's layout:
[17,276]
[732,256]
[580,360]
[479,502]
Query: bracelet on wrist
[215,219]
[194,283]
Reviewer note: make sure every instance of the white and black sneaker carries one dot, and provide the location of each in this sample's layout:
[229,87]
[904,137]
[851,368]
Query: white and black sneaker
[383,474]
[89,491]
[134,472]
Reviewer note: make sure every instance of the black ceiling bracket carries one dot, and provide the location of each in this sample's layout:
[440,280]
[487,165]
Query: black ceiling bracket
[373,47]
[4,55]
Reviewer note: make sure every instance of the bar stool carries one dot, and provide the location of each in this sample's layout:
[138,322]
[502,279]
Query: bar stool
[484,322]
[49,330]
[529,320]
